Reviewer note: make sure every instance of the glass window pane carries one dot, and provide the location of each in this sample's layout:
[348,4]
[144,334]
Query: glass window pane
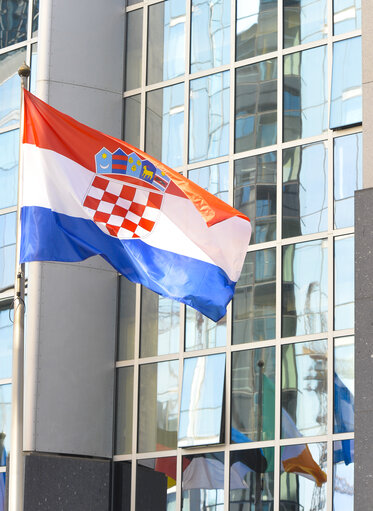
[10,95]
[344,298]
[347,16]
[305,93]
[256,105]
[133,2]
[133,49]
[7,248]
[158,402]
[251,480]
[13,22]
[254,302]
[34,67]
[256,28]
[209,117]
[160,324]
[210,34]
[303,478]
[165,124]
[124,404]
[5,421]
[305,190]
[122,485]
[35,17]
[305,288]
[304,21]
[348,177]
[203,482]
[166,40]
[343,475]
[9,150]
[253,395]
[202,333]
[156,484]
[126,320]
[255,194]
[344,386]
[132,115]
[6,344]
[214,179]
[346,94]
[201,407]
[304,389]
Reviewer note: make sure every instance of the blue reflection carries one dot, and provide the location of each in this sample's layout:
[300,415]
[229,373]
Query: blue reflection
[7,248]
[9,149]
[343,479]
[13,22]
[6,343]
[214,179]
[347,16]
[5,421]
[344,298]
[346,94]
[10,94]
[304,21]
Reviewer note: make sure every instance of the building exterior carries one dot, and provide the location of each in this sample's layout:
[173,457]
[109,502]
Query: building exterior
[135,402]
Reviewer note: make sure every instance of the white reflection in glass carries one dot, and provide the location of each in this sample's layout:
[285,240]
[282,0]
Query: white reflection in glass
[9,87]
[347,16]
[202,401]
[214,179]
[348,177]
[210,34]
[305,93]
[344,299]
[6,343]
[305,190]
[13,22]
[346,93]
[305,288]
[304,21]
[5,421]
[344,387]
[209,117]
[7,248]
[343,476]
[9,148]
[157,477]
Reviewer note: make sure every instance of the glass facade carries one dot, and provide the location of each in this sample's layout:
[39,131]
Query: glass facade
[263,109]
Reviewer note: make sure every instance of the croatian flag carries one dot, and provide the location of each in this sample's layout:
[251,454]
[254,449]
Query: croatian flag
[86,194]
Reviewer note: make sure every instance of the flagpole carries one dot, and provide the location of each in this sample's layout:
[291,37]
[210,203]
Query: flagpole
[16,464]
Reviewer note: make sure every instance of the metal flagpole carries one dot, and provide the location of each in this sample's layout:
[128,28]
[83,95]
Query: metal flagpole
[16,466]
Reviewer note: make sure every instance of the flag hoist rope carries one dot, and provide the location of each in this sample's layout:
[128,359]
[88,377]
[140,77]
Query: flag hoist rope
[16,468]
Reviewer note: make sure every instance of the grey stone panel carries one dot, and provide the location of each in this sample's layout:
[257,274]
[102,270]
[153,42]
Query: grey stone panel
[59,483]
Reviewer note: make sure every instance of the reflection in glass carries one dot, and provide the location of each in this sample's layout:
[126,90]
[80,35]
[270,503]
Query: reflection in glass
[158,401]
[203,482]
[305,288]
[209,117]
[13,22]
[344,385]
[9,87]
[210,34]
[165,124]
[253,395]
[347,16]
[251,480]
[126,326]
[133,49]
[35,17]
[201,405]
[344,283]
[132,114]
[6,344]
[122,485]
[7,248]
[256,105]
[133,2]
[346,93]
[254,302]
[160,324]
[256,28]
[156,484]
[305,190]
[166,40]
[5,421]
[303,478]
[255,194]
[202,333]
[348,177]
[304,21]
[9,149]
[214,179]
[305,93]
[343,476]
[34,67]
[124,403]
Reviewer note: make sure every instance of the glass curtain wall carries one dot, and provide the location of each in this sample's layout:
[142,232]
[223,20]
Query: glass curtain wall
[260,108]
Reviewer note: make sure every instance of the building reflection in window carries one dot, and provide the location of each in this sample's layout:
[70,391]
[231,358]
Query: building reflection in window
[305,190]
[254,303]
[133,49]
[5,421]
[344,385]
[9,88]
[304,21]
[7,248]
[347,16]
[214,179]
[156,484]
[6,342]
[305,288]
[343,475]
[158,402]
[255,194]
[202,333]
[124,404]
[9,149]
[344,298]
[13,22]
[126,320]
[132,108]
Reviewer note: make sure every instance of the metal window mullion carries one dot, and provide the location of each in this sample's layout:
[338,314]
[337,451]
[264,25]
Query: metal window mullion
[29,19]
[277,448]
[188,28]
[143,75]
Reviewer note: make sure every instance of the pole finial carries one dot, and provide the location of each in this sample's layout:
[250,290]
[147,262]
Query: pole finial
[24,70]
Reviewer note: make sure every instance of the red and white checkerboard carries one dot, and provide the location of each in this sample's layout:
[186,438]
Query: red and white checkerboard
[122,210]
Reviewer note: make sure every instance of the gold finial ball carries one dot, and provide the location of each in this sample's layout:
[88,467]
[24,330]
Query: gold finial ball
[24,70]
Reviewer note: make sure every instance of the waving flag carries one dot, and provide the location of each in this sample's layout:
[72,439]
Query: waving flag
[86,194]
